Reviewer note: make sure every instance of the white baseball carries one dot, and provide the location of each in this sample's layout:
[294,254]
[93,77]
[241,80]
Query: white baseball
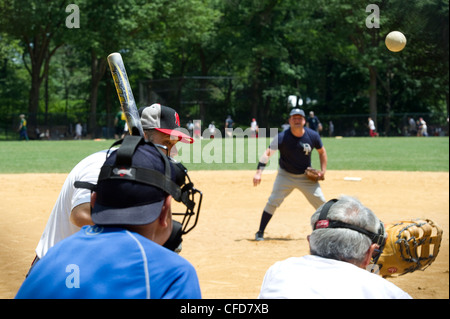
[395,41]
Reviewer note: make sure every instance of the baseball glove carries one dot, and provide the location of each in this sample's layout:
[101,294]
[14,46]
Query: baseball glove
[410,245]
[314,174]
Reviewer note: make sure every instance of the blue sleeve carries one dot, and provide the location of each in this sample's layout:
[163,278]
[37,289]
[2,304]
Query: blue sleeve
[315,139]
[171,276]
[185,285]
[276,141]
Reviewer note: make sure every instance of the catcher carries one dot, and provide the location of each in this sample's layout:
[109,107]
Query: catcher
[345,237]
[295,145]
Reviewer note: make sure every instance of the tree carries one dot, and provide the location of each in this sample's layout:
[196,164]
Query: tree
[105,28]
[40,27]
[187,45]
[262,51]
[14,80]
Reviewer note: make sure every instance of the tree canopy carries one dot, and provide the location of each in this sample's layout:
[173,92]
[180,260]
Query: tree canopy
[213,58]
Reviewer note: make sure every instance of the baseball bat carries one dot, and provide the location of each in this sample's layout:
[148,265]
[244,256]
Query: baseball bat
[125,94]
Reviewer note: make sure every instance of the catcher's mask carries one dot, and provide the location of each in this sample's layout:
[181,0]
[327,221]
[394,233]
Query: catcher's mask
[174,181]
[379,238]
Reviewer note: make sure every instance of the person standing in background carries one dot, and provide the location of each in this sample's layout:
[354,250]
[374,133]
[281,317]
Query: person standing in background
[372,129]
[78,131]
[229,123]
[23,128]
[119,124]
[313,122]
[254,128]
[423,127]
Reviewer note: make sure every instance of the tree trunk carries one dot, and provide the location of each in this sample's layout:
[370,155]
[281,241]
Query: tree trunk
[255,96]
[33,101]
[36,52]
[46,99]
[108,105]
[387,120]
[40,54]
[373,94]
[203,85]
[98,67]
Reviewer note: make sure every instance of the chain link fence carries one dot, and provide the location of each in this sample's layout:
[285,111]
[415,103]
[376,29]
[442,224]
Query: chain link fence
[60,126]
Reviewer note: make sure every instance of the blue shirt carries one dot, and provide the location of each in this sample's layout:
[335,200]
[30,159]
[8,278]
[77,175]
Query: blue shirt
[313,123]
[110,263]
[295,152]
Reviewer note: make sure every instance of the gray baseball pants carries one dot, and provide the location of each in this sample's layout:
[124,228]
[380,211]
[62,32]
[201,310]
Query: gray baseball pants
[286,182]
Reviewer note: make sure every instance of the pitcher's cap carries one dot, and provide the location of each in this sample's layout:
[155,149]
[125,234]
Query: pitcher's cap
[297,111]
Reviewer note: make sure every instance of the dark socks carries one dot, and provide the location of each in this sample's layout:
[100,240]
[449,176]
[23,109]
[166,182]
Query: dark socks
[265,218]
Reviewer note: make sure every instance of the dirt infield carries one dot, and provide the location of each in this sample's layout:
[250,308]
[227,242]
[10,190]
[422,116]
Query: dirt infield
[230,264]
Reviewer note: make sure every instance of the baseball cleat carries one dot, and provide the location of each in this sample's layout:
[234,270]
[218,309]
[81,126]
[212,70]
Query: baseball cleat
[259,236]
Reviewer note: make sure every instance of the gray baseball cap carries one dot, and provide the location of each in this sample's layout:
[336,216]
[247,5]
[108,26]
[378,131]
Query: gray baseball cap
[297,111]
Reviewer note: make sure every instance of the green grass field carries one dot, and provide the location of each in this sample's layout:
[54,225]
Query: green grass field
[396,154]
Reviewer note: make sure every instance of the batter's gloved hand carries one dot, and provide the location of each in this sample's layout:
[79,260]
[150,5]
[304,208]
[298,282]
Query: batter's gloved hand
[410,245]
[314,174]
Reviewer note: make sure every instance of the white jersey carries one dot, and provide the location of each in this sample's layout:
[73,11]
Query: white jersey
[58,225]
[311,277]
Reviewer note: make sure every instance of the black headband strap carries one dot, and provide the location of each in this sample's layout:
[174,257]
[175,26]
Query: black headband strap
[324,222]
[127,149]
[326,208]
[142,175]
[337,224]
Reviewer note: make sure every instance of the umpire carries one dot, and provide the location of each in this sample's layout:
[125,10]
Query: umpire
[122,255]
[295,146]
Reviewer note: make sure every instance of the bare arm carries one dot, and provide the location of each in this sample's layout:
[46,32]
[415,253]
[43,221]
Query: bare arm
[264,159]
[323,159]
[81,215]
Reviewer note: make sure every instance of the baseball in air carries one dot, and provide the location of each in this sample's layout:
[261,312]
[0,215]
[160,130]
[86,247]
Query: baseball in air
[395,41]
